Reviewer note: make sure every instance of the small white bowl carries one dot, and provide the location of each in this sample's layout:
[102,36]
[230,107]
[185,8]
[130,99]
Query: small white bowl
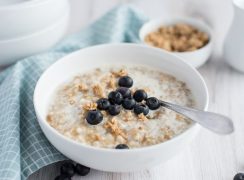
[16,49]
[195,58]
[96,56]
[27,17]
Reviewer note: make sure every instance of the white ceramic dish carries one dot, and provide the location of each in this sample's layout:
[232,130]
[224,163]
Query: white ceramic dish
[16,49]
[89,58]
[195,58]
[28,17]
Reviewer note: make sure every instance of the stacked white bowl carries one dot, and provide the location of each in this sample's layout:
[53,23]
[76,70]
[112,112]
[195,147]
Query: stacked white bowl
[28,27]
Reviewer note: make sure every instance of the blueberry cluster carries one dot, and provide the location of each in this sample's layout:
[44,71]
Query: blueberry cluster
[68,170]
[123,97]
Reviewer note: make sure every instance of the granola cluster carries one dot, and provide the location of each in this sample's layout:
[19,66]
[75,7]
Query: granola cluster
[178,38]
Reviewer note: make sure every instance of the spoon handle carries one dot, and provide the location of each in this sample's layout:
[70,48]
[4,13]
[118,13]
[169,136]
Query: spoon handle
[212,121]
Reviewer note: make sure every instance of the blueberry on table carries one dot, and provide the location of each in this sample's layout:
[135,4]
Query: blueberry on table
[103,104]
[239,176]
[128,103]
[153,103]
[67,169]
[115,97]
[121,146]
[141,108]
[140,95]
[126,93]
[94,117]
[114,110]
[82,170]
[125,81]
[62,177]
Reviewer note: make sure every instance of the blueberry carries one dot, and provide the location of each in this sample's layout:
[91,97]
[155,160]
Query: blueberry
[126,93]
[62,177]
[94,117]
[121,146]
[82,170]
[103,104]
[153,103]
[114,110]
[67,169]
[141,108]
[125,81]
[115,97]
[140,95]
[239,176]
[128,103]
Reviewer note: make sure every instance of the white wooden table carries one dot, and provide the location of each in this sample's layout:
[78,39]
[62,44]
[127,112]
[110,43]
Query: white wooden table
[210,157]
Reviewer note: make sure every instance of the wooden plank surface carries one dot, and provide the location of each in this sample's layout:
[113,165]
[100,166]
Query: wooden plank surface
[210,157]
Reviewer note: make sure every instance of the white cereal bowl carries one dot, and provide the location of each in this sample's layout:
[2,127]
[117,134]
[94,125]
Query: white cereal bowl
[16,49]
[25,17]
[195,58]
[111,159]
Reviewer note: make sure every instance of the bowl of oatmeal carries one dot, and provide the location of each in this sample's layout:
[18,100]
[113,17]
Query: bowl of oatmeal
[187,38]
[98,106]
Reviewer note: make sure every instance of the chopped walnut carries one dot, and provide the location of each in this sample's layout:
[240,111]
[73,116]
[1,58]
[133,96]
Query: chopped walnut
[112,83]
[82,87]
[156,114]
[90,106]
[70,95]
[114,128]
[98,90]
[74,132]
[133,132]
[168,133]
[147,90]
[142,117]
[92,137]
[120,139]
[121,72]
[148,139]
[179,117]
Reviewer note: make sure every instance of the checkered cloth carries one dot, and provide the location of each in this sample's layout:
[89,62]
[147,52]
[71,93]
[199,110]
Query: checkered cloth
[23,147]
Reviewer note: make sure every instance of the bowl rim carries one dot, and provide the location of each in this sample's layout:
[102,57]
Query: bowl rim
[172,20]
[61,20]
[93,148]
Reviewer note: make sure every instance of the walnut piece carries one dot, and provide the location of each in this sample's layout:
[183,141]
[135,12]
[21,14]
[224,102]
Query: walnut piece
[91,137]
[121,72]
[112,83]
[90,106]
[113,126]
[98,90]
[82,87]
[142,117]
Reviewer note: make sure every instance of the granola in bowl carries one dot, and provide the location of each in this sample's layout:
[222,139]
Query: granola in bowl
[108,107]
[180,37]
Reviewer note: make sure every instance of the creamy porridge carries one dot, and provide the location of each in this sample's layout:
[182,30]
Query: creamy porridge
[76,108]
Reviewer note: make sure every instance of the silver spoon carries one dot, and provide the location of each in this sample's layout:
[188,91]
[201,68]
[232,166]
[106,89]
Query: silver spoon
[215,122]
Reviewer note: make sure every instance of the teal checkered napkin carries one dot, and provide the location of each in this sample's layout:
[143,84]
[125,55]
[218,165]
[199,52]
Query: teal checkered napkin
[23,147]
